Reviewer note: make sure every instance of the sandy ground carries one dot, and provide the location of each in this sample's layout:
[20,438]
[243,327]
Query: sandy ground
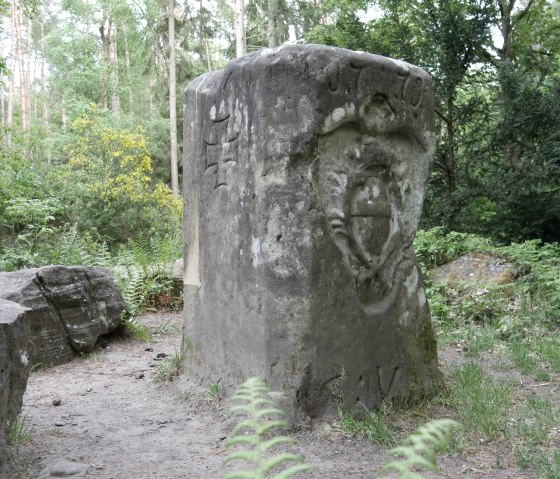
[114,422]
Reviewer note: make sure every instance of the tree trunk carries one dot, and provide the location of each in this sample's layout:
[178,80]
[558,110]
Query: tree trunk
[20,65]
[11,84]
[128,72]
[203,38]
[272,38]
[105,32]
[27,72]
[64,118]
[152,82]
[173,100]
[45,106]
[2,106]
[114,69]
[240,45]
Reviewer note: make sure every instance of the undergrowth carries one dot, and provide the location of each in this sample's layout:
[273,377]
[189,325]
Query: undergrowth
[256,444]
[253,440]
[167,370]
[516,319]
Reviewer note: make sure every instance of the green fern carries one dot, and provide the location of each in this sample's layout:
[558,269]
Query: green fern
[250,432]
[418,450]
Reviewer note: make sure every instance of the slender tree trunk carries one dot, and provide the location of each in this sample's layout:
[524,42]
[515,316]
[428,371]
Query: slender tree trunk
[105,31]
[128,71]
[173,101]
[240,44]
[21,68]
[272,36]
[202,34]
[114,69]
[64,118]
[2,106]
[11,84]
[152,82]
[45,112]
[27,71]
[34,97]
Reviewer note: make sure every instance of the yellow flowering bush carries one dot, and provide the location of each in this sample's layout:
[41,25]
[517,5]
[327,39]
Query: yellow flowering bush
[115,174]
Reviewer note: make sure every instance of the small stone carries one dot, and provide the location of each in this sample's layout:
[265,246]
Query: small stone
[139,376]
[64,468]
[60,424]
[56,402]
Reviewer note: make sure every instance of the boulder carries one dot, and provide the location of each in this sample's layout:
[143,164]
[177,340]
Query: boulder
[481,269]
[305,175]
[14,364]
[71,307]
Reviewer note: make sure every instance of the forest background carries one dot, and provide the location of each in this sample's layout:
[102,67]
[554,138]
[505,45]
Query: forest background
[87,129]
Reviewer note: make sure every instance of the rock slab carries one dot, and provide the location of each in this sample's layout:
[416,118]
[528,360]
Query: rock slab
[71,307]
[306,169]
[14,365]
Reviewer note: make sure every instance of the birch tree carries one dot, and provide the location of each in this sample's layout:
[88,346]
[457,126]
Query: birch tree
[173,100]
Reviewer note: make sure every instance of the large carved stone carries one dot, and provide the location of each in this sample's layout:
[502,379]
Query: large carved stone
[71,306]
[14,365]
[305,172]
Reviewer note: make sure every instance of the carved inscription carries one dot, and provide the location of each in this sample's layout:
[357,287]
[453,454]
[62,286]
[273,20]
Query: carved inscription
[221,138]
[356,80]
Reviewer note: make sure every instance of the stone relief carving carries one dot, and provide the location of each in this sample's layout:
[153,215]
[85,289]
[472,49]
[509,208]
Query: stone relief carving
[361,188]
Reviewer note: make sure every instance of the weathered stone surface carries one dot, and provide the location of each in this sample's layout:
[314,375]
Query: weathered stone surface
[14,364]
[71,306]
[64,468]
[305,172]
[481,269]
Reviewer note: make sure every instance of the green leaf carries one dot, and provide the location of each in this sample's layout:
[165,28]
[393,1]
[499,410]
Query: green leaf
[292,471]
[279,459]
[249,456]
[267,445]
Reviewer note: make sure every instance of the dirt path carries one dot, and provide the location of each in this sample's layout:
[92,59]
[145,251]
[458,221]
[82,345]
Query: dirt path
[114,422]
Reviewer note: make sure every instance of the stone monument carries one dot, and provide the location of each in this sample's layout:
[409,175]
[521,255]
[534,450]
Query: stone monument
[305,173]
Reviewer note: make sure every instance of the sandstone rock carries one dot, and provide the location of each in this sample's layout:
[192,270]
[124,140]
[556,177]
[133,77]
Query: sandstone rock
[305,171]
[14,364]
[481,269]
[71,307]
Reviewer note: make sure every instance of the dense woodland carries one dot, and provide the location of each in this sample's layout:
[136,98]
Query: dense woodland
[87,128]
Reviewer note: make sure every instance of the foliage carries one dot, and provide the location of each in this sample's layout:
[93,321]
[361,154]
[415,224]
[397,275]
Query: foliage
[140,269]
[418,449]
[497,120]
[112,169]
[480,402]
[168,369]
[19,433]
[371,424]
[435,247]
[250,434]
[517,310]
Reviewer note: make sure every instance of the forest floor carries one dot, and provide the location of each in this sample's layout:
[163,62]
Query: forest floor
[114,421]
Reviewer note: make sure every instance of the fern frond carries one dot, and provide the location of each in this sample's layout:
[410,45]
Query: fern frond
[242,475]
[292,471]
[253,394]
[279,459]
[418,450]
[249,456]
[276,441]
